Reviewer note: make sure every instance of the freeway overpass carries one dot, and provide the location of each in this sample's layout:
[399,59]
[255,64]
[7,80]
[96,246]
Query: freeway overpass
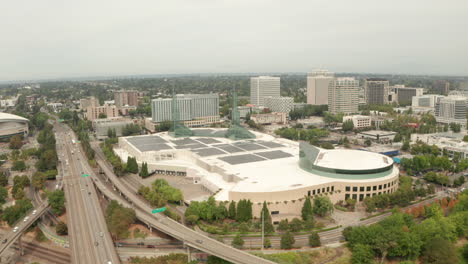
[179,231]
[8,239]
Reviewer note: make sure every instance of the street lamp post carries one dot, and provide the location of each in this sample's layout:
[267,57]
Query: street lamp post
[263,229]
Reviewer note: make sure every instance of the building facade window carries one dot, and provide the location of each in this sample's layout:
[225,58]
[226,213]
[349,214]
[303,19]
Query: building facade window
[355,189]
[348,188]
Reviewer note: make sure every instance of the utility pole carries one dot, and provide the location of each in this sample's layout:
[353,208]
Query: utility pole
[263,229]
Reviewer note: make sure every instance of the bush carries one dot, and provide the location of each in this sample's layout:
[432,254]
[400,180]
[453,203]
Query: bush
[287,241]
[237,242]
[61,228]
[18,165]
[314,240]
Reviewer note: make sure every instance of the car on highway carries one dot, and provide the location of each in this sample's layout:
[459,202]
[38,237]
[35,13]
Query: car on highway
[15,229]
[199,241]
[4,241]
[96,243]
[26,219]
[34,212]
[101,234]
[150,246]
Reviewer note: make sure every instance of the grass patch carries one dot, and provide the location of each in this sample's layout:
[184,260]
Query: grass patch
[374,215]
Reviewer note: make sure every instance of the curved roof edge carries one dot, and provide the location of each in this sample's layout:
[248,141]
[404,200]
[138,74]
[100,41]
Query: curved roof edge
[10,117]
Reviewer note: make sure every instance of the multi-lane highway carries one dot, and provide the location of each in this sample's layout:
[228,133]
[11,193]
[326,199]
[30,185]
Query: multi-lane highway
[169,226]
[90,241]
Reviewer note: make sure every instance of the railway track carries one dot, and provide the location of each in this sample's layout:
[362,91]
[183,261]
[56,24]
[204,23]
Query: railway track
[45,253]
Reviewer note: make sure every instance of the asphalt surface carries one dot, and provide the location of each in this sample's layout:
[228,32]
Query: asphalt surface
[90,241]
[8,239]
[177,230]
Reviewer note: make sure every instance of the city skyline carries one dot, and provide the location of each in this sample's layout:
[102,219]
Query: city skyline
[77,40]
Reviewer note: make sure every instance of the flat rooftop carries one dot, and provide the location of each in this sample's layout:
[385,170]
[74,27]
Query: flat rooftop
[264,164]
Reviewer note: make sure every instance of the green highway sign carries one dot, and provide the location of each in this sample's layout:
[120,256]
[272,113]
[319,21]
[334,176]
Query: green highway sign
[61,120]
[158,210]
[85,175]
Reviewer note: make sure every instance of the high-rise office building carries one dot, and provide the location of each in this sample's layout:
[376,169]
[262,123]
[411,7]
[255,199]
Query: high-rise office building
[263,86]
[190,106]
[377,91]
[343,96]
[405,94]
[442,86]
[126,98]
[318,83]
[279,104]
[452,109]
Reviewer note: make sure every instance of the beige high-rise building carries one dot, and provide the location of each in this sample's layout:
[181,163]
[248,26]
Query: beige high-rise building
[318,83]
[88,102]
[263,86]
[343,96]
[377,91]
[126,98]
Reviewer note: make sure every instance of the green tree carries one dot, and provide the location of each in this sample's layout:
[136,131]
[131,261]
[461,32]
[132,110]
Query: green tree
[102,115]
[61,228]
[362,254]
[268,224]
[232,210]
[306,211]
[314,240]
[348,125]
[406,145]
[132,165]
[368,142]
[283,225]
[295,225]
[455,127]
[3,179]
[440,251]
[237,242]
[3,195]
[266,243]
[144,170]
[18,165]
[57,201]
[322,205]
[119,219]
[287,241]
[16,142]
[13,213]
[38,180]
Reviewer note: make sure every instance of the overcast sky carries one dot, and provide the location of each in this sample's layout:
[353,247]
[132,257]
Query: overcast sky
[76,38]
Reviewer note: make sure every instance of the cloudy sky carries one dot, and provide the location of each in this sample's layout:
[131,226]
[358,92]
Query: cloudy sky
[77,38]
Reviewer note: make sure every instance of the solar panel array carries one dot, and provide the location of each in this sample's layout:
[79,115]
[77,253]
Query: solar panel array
[206,147]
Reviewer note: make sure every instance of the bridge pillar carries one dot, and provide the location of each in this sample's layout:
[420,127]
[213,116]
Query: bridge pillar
[20,245]
[189,255]
[150,228]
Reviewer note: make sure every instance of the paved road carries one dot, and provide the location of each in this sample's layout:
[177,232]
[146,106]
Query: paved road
[8,239]
[90,241]
[167,225]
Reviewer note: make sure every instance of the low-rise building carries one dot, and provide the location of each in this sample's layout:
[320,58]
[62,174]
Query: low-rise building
[108,111]
[270,118]
[377,135]
[359,121]
[102,125]
[449,142]
[279,104]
